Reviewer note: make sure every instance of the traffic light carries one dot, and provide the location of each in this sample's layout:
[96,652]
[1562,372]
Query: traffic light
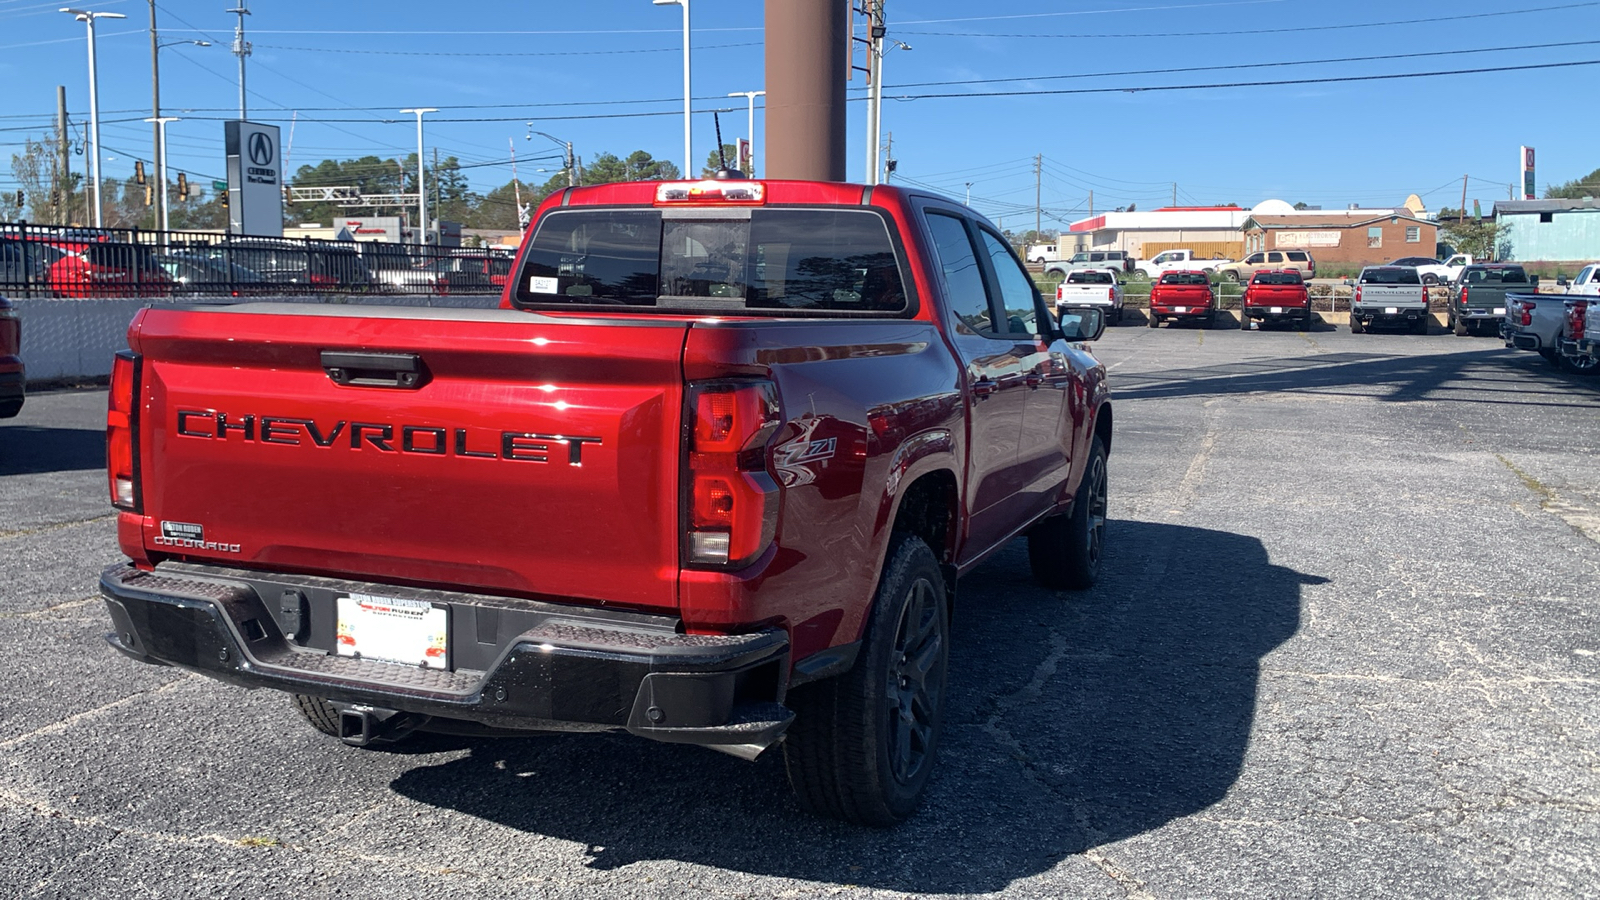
[138,172]
[149,195]
[183,187]
[20,198]
[224,196]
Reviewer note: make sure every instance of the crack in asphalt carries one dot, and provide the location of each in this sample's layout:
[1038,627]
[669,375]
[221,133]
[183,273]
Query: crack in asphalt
[61,725]
[54,607]
[54,526]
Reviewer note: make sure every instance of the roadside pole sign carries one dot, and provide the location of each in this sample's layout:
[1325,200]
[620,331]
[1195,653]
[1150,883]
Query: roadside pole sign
[255,186]
[1527,174]
[219,185]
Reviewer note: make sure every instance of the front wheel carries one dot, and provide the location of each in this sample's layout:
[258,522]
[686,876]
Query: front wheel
[1232,276]
[863,743]
[1065,551]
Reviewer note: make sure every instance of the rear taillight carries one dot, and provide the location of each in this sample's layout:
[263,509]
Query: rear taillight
[731,499]
[1524,311]
[1577,320]
[122,433]
[1060,290]
[1465,293]
[1358,294]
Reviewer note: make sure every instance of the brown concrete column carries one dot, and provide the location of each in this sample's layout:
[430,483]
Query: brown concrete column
[807,61]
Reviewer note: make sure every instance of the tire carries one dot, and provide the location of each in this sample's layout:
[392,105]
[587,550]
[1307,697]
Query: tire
[1244,321]
[863,743]
[1355,325]
[1209,320]
[1459,326]
[1430,279]
[1065,551]
[1231,276]
[1305,324]
[1154,322]
[1420,326]
[319,713]
[1587,366]
[1116,316]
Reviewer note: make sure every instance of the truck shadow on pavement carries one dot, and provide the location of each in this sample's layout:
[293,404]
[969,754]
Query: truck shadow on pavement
[30,449]
[1476,376]
[1075,720]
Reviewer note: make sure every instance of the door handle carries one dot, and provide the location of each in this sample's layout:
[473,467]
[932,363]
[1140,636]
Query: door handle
[392,370]
[984,388]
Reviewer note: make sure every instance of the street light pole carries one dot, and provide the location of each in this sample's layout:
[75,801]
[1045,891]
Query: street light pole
[572,169]
[160,123]
[688,159]
[751,96]
[969,193]
[89,18]
[422,189]
[241,49]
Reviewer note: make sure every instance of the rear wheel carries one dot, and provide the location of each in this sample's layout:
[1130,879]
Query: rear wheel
[1578,365]
[1355,325]
[1420,326]
[1459,326]
[1208,320]
[1064,551]
[319,713]
[1244,321]
[863,743]
[1154,322]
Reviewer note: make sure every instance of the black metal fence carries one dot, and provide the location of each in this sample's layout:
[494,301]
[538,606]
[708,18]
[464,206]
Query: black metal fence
[68,262]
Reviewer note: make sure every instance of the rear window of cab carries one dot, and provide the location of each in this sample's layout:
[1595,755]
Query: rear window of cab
[1277,278]
[768,261]
[1388,275]
[1184,278]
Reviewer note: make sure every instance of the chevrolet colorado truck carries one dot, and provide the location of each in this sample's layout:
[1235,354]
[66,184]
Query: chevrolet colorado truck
[1183,296]
[1389,295]
[1477,300]
[1279,296]
[13,375]
[708,475]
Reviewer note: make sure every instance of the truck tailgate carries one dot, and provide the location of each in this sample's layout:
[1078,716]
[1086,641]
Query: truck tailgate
[1289,296]
[535,455]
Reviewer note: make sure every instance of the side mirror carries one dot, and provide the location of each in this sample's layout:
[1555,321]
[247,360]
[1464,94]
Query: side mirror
[1081,323]
[1348,282]
[1533,280]
[1561,281]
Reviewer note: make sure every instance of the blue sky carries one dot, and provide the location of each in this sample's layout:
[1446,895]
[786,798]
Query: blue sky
[585,71]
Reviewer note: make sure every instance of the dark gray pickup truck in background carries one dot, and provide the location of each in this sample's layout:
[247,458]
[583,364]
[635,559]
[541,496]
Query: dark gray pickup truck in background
[1477,301]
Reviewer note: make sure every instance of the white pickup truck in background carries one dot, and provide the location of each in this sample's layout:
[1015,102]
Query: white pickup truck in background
[1091,287]
[1587,284]
[1178,261]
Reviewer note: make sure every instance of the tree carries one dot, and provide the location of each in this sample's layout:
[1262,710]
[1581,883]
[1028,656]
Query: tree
[498,208]
[1576,189]
[1481,238]
[1301,204]
[729,152]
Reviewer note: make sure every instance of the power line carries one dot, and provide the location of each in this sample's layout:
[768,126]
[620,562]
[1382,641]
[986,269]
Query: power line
[1254,31]
[345,50]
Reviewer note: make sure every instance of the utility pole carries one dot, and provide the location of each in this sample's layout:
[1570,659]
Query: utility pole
[156,126]
[1091,204]
[875,32]
[1174,193]
[62,194]
[1464,197]
[241,49]
[1038,211]
[888,158]
[516,186]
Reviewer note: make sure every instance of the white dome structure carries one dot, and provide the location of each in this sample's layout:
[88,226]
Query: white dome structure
[1271,208]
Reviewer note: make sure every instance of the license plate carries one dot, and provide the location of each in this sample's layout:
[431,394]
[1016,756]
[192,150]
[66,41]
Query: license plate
[1391,310]
[1277,309]
[1499,310]
[1180,309]
[392,629]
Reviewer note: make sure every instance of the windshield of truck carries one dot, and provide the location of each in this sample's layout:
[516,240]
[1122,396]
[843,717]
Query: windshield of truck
[1390,276]
[1278,278]
[1184,278]
[1496,276]
[1090,278]
[773,261]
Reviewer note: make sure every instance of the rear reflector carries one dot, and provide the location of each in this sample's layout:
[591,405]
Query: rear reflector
[732,192]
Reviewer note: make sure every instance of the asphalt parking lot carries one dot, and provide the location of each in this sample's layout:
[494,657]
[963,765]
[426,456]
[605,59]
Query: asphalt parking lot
[1345,647]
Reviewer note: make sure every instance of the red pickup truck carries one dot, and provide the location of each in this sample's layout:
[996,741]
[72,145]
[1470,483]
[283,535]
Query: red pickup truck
[13,375]
[1276,296]
[1183,296]
[709,476]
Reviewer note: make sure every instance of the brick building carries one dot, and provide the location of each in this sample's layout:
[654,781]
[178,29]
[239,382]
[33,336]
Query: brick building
[1353,237]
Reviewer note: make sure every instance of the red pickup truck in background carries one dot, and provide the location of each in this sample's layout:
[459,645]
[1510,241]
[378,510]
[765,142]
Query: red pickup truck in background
[1276,296]
[13,375]
[1185,295]
[708,476]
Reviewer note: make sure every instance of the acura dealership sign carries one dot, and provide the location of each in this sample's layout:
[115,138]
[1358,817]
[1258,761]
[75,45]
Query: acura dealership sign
[255,179]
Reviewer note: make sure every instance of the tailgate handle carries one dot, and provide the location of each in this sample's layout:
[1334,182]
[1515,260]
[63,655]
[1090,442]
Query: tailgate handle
[394,370]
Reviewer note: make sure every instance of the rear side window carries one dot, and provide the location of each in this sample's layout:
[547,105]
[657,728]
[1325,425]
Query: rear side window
[1297,256]
[776,259]
[1184,278]
[1390,276]
[963,279]
[1278,278]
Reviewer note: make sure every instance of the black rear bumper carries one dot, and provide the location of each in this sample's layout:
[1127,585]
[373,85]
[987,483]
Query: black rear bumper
[556,668]
[1284,313]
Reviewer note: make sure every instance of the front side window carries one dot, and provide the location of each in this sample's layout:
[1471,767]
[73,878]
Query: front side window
[1016,288]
